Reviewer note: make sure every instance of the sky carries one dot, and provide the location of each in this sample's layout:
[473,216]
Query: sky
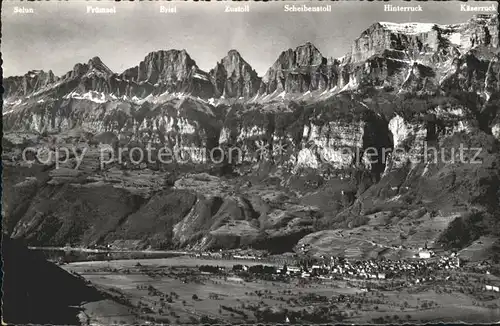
[60,34]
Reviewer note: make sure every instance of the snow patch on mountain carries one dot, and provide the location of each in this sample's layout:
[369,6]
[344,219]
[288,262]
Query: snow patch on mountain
[455,38]
[200,76]
[96,97]
[408,28]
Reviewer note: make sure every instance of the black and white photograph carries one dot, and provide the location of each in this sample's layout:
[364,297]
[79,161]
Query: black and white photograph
[240,162]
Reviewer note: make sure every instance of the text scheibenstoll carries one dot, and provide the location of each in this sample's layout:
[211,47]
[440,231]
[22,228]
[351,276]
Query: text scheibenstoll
[307,8]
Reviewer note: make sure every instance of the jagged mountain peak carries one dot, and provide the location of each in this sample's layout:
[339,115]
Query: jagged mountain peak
[296,71]
[32,81]
[161,67]
[37,75]
[303,55]
[95,61]
[97,64]
[384,46]
[36,72]
[307,45]
[234,77]
[233,53]
[233,57]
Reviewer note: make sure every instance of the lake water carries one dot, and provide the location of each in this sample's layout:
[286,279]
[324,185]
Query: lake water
[76,255]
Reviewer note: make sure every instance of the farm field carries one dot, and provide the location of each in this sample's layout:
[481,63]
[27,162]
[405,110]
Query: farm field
[173,290]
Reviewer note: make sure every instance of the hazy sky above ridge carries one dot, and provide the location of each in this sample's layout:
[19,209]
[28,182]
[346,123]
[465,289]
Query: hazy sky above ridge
[60,34]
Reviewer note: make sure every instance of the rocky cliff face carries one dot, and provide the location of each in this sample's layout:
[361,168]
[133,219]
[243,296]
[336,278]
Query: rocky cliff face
[480,30]
[168,71]
[233,77]
[425,41]
[385,51]
[178,124]
[415,56]
[20,86]
[297,71]
[401,88]
[476,72]
[323,134]
[164,98]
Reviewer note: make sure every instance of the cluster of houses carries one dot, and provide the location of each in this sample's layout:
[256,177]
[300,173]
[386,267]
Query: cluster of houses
[382,269]
[418,269]
[228,255]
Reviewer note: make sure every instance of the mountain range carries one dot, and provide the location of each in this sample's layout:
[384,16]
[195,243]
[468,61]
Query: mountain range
[399,86]
[296,71]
